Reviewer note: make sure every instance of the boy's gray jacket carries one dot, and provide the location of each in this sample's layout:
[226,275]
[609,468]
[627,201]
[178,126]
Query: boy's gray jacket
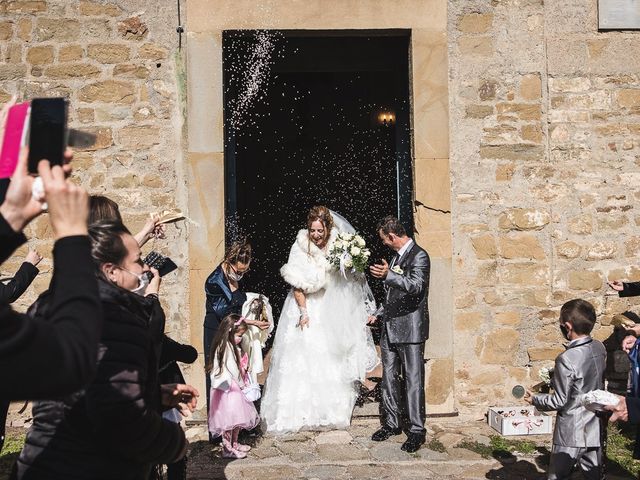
[578,370]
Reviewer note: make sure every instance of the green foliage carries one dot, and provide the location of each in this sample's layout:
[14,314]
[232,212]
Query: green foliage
[499,446]
[436,445]
[620,448]
[12,445]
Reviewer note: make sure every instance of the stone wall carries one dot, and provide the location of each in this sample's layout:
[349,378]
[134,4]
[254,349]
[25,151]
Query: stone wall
[119,65]
[545,159]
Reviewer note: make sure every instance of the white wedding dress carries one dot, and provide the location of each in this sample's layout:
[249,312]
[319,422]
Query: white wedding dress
[313,372]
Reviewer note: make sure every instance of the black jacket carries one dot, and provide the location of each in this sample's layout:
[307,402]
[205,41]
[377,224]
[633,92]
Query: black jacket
[11,291]
[113,428]
[41,359]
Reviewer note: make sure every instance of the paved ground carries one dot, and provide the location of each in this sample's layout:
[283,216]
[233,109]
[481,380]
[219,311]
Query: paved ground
[351,455]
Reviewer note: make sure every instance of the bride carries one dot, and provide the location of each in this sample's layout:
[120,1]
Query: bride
[322,345]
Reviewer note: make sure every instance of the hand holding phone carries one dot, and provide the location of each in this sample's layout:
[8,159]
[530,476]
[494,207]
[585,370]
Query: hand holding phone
[47,132]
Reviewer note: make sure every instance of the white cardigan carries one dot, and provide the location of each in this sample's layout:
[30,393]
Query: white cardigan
[230,371]
[307,266]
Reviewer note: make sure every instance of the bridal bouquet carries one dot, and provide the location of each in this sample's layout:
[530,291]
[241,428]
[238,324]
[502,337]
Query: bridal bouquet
[349,252]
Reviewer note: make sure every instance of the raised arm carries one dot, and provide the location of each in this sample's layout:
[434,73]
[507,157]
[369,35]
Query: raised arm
[415,280]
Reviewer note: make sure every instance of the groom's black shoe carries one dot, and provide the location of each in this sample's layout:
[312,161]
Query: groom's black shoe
[385,432]
[413,443]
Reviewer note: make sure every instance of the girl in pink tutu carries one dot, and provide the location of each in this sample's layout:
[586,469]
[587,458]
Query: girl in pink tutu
[230,410]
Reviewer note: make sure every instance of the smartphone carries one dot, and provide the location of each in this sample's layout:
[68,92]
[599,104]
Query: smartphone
[47,131]
[14,138]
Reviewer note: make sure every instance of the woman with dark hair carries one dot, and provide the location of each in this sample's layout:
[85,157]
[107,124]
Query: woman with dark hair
[112,428]
[223,289]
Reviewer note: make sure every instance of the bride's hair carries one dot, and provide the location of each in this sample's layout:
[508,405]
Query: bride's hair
[321,214]
[229,326]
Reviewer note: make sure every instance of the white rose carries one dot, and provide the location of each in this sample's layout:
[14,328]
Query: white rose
[355,251]
[360,241]
[347,237]
[348,263]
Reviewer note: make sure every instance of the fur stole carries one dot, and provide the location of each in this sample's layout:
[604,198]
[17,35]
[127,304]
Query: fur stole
[307,267]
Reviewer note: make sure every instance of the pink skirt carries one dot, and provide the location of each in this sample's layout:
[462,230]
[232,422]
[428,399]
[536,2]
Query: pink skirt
[229,410]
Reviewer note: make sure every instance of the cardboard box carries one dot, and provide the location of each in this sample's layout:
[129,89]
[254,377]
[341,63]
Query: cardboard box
[515,421]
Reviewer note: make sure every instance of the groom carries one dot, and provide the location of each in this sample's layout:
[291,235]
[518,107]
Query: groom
[405,328]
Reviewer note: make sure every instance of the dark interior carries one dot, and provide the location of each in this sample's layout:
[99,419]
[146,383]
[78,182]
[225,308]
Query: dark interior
[313,136]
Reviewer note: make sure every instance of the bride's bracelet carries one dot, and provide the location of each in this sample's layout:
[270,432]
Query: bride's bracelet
[303,313]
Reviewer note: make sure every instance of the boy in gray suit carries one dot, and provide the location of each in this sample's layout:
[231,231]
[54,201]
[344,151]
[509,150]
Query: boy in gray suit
[578,370]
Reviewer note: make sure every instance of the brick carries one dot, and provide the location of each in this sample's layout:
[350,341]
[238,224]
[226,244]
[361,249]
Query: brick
[109,91]
[108,53]
[130,71]
[40,55]
[505,171]
[524,111]
[485,246]
[531,133]
[139,136]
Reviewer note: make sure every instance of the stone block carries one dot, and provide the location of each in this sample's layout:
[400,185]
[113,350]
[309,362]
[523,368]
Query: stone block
[585,280]
[521,246]
[468,321]
[70,53]
[500,346]
[108,91]
[510,318]
[151,51]
[505,171]
[336,437]
[97,9]
[152,180]
[518,151]
[481,46]
[569,84]
[525,273]
[61,30]
[531,87]
[104,138]
[523,219]
[6,30]
[128,70]
[72,70]
[581,225]
[439,386]
[538,354]
[108,53]
[485,246]
[628,98]
[523,111]
[13,53]
[568,250]
[612,222]
[465,300]
[40,55]
[531,133]
[27,6]
[139,137]
[479,111]
[12,72]
[632,246]
[602,251]
[475,22]
[487,275]
[96,29]
[24,29]
[487,90]
[130,180]
[133,29]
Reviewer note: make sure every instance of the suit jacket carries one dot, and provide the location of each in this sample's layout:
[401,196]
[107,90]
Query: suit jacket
[11,291]
[630,289]
[406,317]
[578,370]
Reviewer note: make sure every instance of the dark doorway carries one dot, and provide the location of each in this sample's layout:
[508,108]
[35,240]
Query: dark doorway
[315,135]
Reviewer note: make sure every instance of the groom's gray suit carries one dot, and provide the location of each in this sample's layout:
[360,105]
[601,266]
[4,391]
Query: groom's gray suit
[405,328]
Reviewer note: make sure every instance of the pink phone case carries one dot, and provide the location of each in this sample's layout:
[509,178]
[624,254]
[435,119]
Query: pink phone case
[13,137]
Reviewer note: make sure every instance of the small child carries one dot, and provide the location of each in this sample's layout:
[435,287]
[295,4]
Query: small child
[578,370]
[230,411]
